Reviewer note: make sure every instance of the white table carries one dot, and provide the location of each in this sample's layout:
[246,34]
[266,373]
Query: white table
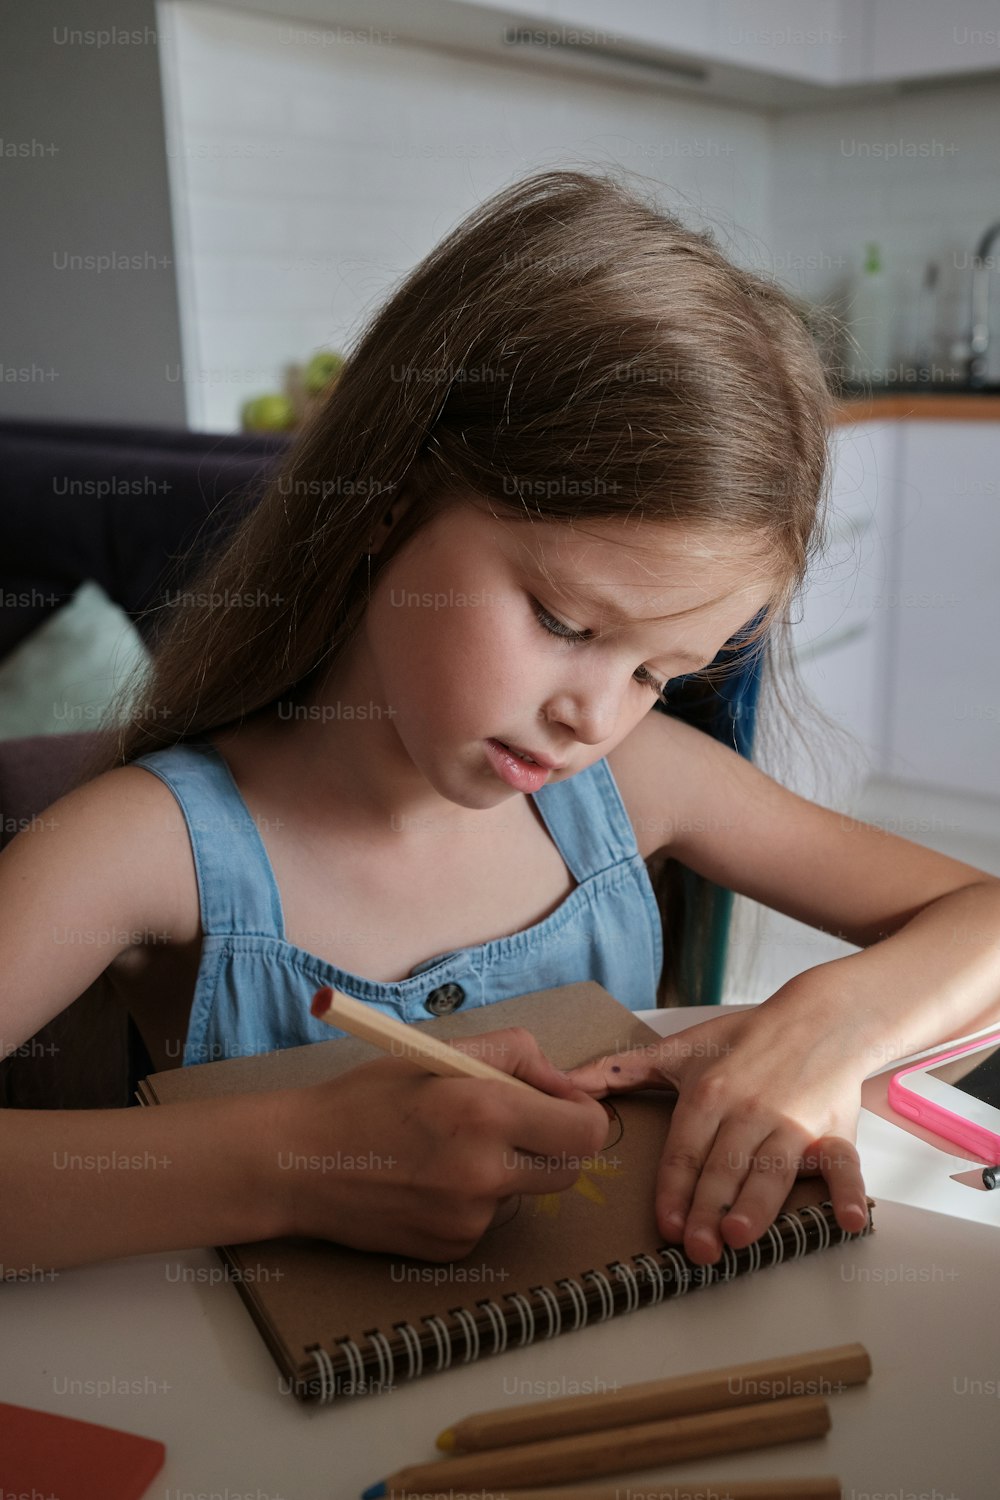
[184,1363]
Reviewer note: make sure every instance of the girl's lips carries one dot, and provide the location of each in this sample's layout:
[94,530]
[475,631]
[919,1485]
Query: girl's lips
[511,769]
[541,760]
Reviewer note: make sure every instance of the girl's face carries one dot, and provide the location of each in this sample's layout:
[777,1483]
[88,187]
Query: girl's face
[458,639]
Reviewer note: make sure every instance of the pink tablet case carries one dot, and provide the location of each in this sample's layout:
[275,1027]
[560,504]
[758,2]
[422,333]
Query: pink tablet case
[935,1117]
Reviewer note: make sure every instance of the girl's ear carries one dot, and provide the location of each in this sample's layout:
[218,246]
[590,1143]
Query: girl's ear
[390,517]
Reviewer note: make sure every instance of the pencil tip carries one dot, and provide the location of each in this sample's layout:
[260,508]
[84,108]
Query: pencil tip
[374,1491]
[321,1000]
[446,1440]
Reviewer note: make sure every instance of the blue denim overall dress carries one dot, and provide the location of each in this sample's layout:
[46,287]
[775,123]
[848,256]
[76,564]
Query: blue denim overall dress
[254,988]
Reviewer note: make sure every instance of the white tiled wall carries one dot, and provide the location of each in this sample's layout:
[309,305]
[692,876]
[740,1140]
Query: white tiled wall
[920,174]
[307,178]
[308,175]
[309,172]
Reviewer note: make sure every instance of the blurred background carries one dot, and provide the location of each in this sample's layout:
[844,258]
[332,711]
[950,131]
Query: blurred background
[205,202]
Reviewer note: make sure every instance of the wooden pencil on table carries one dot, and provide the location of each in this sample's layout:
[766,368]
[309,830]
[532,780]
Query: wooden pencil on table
[815,1372]
[614,1450]
[818,1487]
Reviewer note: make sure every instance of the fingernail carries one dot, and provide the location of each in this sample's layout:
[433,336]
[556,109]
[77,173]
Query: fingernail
[740,1219]
[674,1220]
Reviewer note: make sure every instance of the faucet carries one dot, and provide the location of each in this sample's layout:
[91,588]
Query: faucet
[980,341]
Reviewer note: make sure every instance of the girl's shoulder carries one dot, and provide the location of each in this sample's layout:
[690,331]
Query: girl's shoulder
[645,767]
[157,835]
[689,795]
[100,874]
[126,829]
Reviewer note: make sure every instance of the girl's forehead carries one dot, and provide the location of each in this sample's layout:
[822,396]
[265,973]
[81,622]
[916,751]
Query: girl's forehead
[645,566]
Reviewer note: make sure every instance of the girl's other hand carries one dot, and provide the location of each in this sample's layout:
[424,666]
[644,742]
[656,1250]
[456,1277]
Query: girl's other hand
[763,1097]
[393,1158]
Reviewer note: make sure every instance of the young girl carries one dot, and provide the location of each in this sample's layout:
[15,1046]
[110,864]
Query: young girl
[398,739]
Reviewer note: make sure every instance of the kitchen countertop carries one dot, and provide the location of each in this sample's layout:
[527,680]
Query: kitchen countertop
[922,406]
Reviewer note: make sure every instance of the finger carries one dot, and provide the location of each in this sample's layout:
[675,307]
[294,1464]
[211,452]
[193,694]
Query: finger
[503,1212]
[763,1185]
[639,1067]
[515,1051]
[544,1142]
[540,1173]
[690,1138]
[837,1159]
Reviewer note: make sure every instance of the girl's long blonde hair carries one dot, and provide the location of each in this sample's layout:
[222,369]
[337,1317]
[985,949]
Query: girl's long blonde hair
[569,351]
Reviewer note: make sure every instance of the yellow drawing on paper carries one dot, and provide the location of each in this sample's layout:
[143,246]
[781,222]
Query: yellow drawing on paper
[593,1166]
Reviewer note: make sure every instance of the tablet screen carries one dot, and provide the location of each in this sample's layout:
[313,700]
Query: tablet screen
[977,1074]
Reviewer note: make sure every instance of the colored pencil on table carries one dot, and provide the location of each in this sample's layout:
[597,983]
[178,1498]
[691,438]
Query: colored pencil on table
[822,1487]
[614,1450]
[815,1372]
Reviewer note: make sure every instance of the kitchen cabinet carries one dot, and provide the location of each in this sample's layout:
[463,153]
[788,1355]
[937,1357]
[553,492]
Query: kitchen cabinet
[923,38]
[900,620]
[823,43]
[839,627]
[801,38]
[658,23]
[782,54]
[943,608]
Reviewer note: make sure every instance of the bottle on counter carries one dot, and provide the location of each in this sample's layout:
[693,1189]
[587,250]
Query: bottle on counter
[918,336]
[870,316]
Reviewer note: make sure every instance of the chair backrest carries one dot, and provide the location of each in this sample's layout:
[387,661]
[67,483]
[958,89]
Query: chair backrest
[117,505]
[34,773]
[727,711]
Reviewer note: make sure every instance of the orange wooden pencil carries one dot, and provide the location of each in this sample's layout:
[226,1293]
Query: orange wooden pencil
[615,1450]
[815,1372]
[400,1040]
[820,1487]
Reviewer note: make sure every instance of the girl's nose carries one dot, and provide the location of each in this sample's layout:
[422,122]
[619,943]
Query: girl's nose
[591,710]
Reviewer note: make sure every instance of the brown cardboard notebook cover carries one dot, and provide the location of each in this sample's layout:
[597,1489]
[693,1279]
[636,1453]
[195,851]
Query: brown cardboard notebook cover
[340,1321]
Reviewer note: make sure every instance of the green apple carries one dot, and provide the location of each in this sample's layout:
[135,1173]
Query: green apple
[270,413]
[321,369]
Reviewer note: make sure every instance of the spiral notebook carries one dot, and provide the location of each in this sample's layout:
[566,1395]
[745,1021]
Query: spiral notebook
[341,1322]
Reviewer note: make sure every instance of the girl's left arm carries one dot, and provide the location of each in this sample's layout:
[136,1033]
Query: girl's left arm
[774,1090]
[936,977]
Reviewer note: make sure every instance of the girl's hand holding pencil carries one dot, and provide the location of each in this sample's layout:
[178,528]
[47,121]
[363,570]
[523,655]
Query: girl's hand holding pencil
[417,1164]
[763,1097]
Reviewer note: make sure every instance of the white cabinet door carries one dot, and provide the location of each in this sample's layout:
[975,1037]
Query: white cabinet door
[944,603]
[800,38]
[921,38]
[838,633]
[657,23]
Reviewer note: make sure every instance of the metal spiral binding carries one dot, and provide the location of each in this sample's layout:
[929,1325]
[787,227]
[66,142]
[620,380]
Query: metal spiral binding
[579,1302]
[670,1276]
[625,1274]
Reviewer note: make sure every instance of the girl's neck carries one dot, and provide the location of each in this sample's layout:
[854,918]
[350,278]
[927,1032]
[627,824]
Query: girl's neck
[292,770]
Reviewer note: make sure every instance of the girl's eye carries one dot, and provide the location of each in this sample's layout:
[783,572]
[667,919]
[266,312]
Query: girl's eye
[565,632]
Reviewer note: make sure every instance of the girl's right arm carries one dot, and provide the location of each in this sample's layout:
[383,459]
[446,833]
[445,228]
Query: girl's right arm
[385,1157]
[76,886]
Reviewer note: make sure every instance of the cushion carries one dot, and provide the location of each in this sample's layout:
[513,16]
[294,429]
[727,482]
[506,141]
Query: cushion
[64,675]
